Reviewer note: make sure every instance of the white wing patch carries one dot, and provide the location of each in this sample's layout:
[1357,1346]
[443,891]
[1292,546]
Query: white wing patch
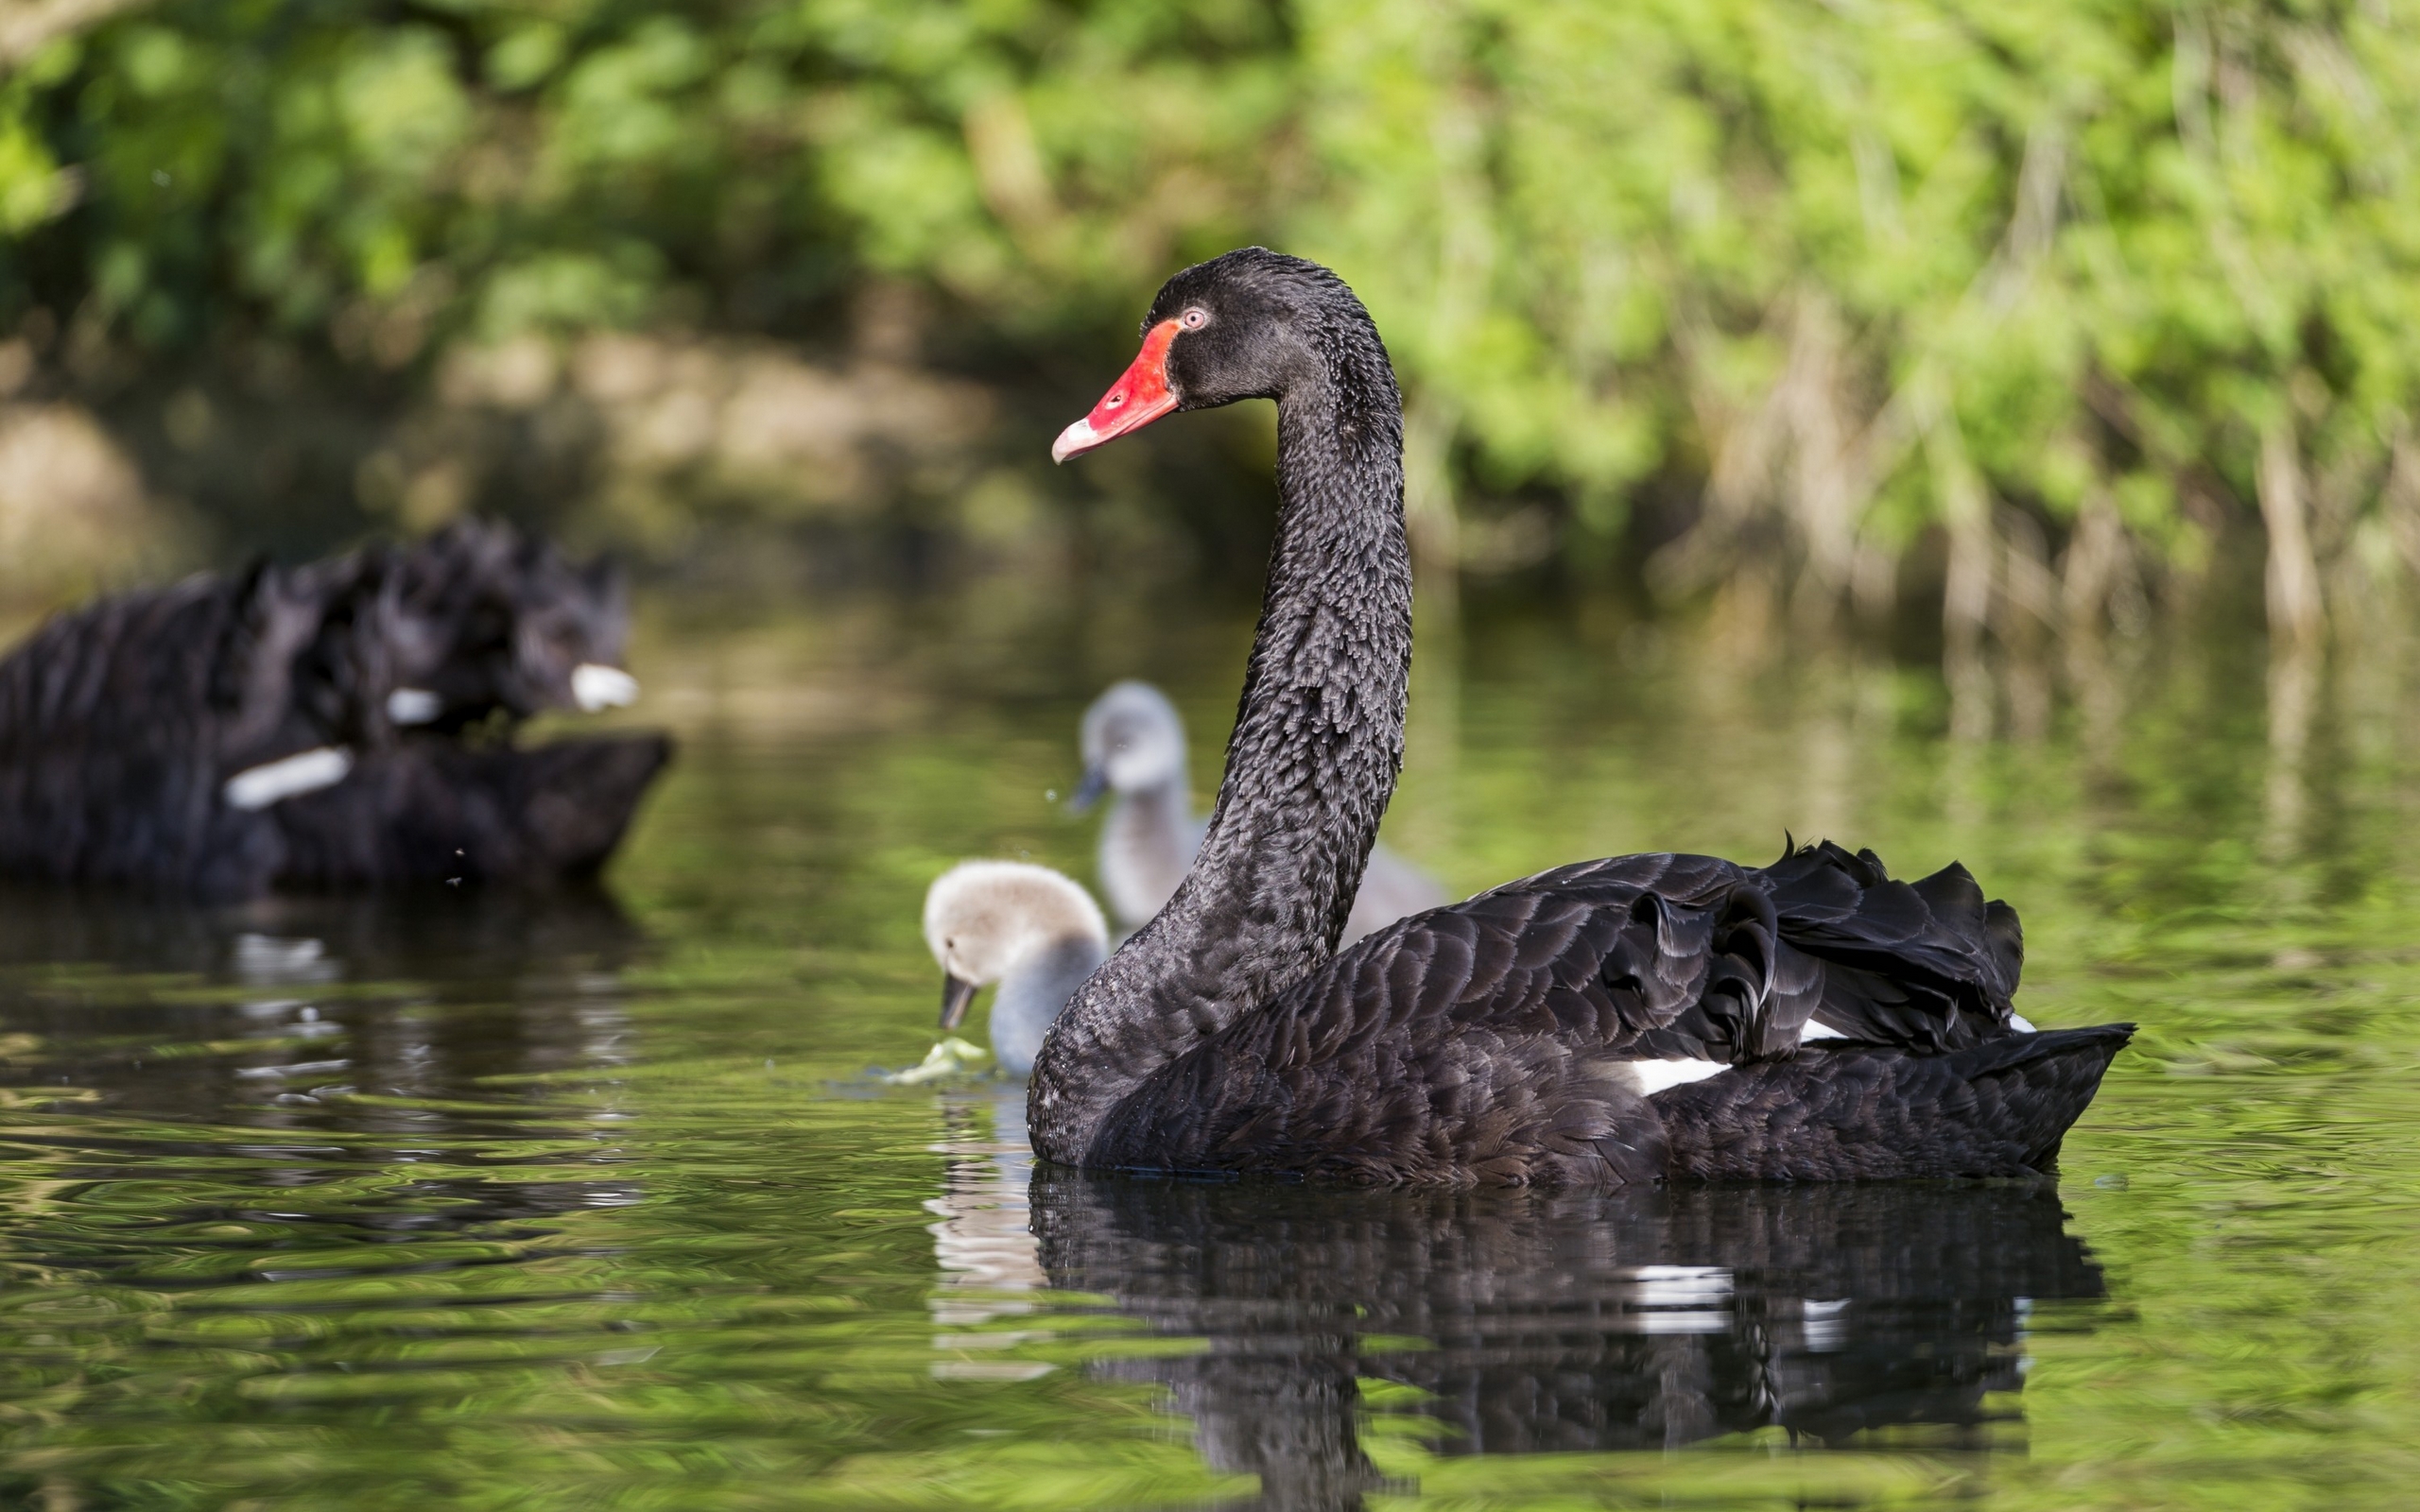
[1826,1325]
[1818,1029]
[1655,1075]
[257,787]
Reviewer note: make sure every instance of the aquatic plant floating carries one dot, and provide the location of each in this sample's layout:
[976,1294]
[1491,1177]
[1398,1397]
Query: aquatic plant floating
[949,1058]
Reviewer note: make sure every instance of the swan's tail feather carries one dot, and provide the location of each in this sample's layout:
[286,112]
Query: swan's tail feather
[1996,1108]
[1929,963]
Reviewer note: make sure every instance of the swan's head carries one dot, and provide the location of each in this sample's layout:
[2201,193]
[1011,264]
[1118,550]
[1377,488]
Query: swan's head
[1132,741]
[1249,325]
[982,917]
[481,618]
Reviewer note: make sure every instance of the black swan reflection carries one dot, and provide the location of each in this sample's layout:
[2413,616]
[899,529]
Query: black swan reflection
[318,1074]
[1634,1320]
[282,998]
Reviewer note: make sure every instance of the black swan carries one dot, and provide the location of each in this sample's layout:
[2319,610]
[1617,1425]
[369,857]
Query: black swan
[342,724]
[1545,1031]
[1133,745]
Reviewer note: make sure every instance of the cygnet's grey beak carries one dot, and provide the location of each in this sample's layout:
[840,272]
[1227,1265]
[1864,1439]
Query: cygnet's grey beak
[1088,792]
[956,992]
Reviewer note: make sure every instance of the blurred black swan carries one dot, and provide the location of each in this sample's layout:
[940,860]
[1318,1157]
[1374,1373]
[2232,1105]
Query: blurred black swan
[1618,1021]
[1581,1322]
[342,724]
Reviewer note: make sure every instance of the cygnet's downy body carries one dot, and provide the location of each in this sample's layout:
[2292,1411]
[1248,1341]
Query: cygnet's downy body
[1027,928]
[1133,747]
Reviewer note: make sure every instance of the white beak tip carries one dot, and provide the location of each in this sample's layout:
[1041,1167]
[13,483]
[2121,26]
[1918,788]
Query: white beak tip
[595,686]
[256,787]
[413,706]
[1075,440]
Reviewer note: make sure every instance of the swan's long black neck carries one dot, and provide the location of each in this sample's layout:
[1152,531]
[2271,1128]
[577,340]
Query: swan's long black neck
[1316,749]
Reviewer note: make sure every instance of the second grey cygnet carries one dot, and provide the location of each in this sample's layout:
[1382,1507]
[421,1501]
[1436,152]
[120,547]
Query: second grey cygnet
[1133,745]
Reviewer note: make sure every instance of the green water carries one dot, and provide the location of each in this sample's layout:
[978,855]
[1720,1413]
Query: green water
[581,1202]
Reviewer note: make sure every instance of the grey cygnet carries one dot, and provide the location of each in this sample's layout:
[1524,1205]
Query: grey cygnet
[1029,929]
[1133,747]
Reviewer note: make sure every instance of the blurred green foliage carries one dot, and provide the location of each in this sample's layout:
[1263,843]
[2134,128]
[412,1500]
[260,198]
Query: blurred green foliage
[1863,266]
[1843,274]
[429,171]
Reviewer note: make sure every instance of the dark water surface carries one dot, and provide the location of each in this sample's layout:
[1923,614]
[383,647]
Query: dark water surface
[586,1201]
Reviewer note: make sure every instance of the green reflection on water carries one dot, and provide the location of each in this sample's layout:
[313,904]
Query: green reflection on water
[579,1202]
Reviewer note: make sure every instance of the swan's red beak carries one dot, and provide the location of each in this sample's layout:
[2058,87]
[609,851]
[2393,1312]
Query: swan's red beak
[1134,402]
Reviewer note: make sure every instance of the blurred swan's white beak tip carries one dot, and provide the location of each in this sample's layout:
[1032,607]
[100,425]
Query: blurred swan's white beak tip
[1075,440]
[257,787]
[413,706]
[595,686]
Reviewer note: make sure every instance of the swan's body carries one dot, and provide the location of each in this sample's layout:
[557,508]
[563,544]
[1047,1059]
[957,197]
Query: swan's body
[305,726]
[1500,1039]
[1133,747]
[1027,928]
[1535,1034]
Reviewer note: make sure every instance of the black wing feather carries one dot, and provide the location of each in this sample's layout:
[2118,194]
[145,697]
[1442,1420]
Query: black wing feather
[1489,1039]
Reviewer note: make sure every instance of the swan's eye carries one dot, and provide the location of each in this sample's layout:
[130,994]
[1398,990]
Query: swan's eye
[1194,319]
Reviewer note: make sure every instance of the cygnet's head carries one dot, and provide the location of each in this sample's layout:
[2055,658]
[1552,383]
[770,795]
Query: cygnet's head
[1132,742]
[981,918]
